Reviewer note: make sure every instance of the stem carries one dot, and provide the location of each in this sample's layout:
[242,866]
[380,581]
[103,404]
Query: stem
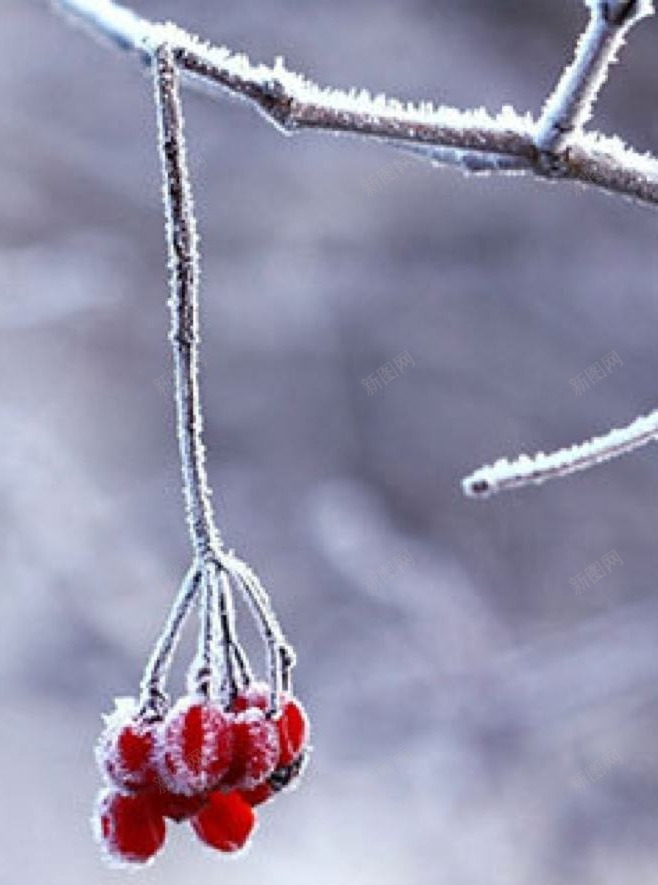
[202,678]
[281,657]
[153,698]
[182,245]
[230,644]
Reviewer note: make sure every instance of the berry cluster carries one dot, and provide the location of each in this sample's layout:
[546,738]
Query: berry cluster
[209,759]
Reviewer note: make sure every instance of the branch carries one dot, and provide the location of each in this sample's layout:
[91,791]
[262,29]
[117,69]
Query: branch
[470,140]
[526,470]
[556,147]
[570,106]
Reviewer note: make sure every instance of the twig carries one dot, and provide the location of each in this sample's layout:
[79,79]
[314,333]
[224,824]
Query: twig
[153,697]
[570,106]
[281,656]
[202,673]
[526,470]
[466,139]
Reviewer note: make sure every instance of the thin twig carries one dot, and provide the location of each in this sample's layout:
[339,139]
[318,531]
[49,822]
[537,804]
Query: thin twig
[153,697]
[281,656]
[526,469]
[182,240]
[460,138]
[202,674]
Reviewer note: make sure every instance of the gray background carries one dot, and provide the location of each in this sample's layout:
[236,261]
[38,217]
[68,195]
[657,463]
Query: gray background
[463,706]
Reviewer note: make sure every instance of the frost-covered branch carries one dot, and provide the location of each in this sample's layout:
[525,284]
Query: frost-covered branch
[570,106]
[475,141]
[536,469]
[113,22]
[470,140]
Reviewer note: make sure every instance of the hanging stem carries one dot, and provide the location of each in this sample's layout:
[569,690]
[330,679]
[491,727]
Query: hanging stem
[182,247]
[153,698]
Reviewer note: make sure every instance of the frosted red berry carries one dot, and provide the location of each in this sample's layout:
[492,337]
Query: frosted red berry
[126,749]
[197,746]
[130,827]
[294,731]
[255,750]
[226,823]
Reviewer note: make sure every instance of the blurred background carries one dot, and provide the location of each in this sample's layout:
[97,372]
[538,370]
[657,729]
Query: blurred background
[481,675]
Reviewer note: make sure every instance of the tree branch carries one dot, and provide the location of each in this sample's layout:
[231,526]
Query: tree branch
[526,469]
[555,147]
[571,104]
[471,140]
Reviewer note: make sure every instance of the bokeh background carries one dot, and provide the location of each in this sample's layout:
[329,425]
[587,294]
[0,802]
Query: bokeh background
[485,711]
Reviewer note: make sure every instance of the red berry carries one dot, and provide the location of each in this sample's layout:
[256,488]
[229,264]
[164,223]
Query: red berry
[125,750]
[130,828]
[258,795]
[197,746]
[226,823]
[294,729]
[255,750]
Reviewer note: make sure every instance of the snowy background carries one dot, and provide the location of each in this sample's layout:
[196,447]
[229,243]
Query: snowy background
[481,716]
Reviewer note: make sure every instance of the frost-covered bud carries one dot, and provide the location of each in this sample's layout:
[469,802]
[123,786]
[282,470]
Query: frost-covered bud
[196,746]
[226,823]
[125,751]
[255,750]
[130,829]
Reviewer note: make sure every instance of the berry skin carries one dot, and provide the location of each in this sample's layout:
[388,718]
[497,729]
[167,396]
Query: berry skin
[125,750]
[226,823]
[130,828]
[255,750]
[196,746]
[294,730]
[258,795]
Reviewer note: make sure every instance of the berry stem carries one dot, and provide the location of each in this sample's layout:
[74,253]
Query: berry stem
[230,643]
[153,697]
[182,247]
[202,677]
[281,657]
